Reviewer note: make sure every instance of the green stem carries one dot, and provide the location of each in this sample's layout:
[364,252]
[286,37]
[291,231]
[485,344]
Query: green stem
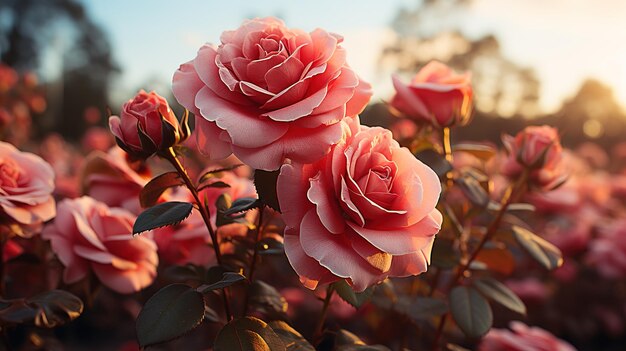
[204,212]
[259,235]
[447,151]
[320,323]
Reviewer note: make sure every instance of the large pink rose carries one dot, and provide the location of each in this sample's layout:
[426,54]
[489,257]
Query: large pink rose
[537,149]
[189,242]
[268,92]
[522,338]
[88,236]
[364,212]
[147,125]
[26,184]
[112,179]
[436,95]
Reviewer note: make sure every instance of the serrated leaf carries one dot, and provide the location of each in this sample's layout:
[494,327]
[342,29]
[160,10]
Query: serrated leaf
[541,250]
[228,279]
[344,290]
[170,313]
[265,184]
[266,299]
[242,205]
[499,293]
[293,340]
[248,334]
[216,184]
[48,309]
[151,192]
[167,213]
[471,311]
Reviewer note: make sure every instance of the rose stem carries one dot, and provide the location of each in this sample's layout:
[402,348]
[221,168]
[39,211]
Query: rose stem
[511,194]
[204,212]
[447,151]
[320,323]
[3,242]
[259,234]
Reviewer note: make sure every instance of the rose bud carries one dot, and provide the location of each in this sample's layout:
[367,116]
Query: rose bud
[147,126]
[536,149]
[436,95]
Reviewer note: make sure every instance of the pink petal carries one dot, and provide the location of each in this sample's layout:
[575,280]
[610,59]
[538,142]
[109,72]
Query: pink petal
[209,139]
[310,271]
[327,207]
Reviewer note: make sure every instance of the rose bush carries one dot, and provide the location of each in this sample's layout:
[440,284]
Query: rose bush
[364,212]
[436,95]
[90,237]
[26,184]
[268,92]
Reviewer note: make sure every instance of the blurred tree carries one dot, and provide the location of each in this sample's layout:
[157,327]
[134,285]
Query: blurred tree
[32,29]
[429,31]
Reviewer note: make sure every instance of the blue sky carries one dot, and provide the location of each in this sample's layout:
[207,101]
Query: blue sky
[565,41]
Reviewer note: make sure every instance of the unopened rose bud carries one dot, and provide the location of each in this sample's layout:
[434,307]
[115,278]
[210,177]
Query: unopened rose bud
[147,125]
[538,151]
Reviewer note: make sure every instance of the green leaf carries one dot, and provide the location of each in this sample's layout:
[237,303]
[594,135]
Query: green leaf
[481,151]
[293,340]
[435,161]
[48,309]
[151,192]
[344,290]
[210,174]
[216,184]
[444,255]
[270,246]
[426,307]
[499,293]
[471,311]
[541,250]
[169,313]
[473,190]
[267,300]
[265,184]
[248,334]
[167,213]
[346,341]
[228,279]
[242,205]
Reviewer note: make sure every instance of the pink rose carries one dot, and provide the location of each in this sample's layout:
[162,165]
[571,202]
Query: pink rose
[112,179]
[522,338]
[147,125]
[364,212]
[436,95]
[537,149]
[268,92]
[189,241]
[88,236]
[26,184]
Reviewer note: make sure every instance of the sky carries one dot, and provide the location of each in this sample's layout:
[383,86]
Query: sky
[565,41]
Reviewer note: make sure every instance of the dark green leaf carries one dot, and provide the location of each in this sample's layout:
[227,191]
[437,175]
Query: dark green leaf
[181,274]
[248,334]
[346,341]
[152,191]
[293,340]
[48,309]
[216,184]
[471,311]
[265,183]
[167,213]
[266,299]
[169,313]
[270,246]
[542,251]
[210,174]
[426,307]
[435,161]
[481,151]
[228,279]
[499,293]
[473,190]
[344,290]
[444,255]
[242,205]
